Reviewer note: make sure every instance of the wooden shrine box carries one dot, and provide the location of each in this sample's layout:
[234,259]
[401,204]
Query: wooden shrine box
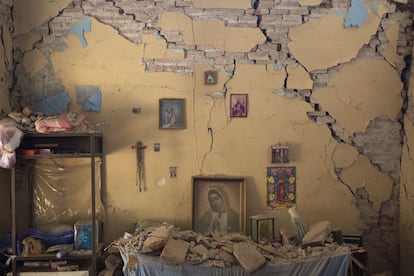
[262,228]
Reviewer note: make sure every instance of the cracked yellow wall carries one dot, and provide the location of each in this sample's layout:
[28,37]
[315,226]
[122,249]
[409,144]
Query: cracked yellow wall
[156,47]
[344,155]
[323,43]
[390,50]
[241,146]
[362,174]
[25,19]
[298,78]
[123,81]
[357,93]
[34,61]
[360,92]
[309,2]
[407,187]
[212,32]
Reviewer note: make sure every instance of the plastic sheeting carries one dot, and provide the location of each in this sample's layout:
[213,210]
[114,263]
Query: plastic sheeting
[336,263]
[62,191]
[10,138]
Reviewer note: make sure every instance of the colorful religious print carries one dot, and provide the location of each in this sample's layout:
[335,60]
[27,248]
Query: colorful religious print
[281,187]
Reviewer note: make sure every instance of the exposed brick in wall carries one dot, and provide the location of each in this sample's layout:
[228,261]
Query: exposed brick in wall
[381,141]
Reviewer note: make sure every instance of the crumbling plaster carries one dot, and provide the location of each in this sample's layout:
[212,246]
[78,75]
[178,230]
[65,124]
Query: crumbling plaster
[406,194]
[6,66]
[310,2]
[340,44]
[375,90]
[363,174]
[250,48]
[218,4]
[390,50]
[24,19]
[212,32]
[407,201]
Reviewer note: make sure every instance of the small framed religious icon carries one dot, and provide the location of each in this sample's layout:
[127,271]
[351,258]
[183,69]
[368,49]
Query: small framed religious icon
[210,77]
[262,228]
[172,114]
[238,105]
[280,153]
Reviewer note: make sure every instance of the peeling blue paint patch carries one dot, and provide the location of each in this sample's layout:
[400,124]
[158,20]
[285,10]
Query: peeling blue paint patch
[52,105]
[89,97]
[80,28]
[357,14]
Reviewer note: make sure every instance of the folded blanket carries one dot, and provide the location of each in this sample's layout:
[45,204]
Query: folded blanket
[68,121]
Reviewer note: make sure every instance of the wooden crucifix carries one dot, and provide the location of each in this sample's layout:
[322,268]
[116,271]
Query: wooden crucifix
[139,147]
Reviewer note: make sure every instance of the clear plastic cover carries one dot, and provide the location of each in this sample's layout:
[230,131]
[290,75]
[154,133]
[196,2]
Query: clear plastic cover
[62,191]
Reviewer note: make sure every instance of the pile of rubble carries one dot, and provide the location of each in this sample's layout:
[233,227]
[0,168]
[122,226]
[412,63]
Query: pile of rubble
[26,119]
[174,246]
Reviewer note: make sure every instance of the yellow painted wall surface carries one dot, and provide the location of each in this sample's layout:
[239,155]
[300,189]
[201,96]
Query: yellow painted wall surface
[357,93]
[25,41]
[323,43]
[361,91]
[407,188]
[212,32]
[390,49]
[30,14]
[270,78]
[298,78]
[364,174]
[235,144]
[344,155]
[34,61]
[309,2]
[155,47]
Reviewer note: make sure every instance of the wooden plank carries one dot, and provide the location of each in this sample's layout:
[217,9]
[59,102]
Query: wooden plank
[174,251]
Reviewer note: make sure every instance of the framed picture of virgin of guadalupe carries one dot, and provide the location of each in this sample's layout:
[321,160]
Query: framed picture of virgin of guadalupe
[219,204]
[281,187]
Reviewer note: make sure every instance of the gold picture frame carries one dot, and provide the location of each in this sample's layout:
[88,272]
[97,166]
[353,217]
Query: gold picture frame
[219,204]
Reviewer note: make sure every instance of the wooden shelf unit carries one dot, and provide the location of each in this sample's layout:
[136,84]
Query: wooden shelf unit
[59,145]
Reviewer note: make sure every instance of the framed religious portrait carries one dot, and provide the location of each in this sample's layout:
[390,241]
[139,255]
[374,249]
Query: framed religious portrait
[172,114]
[238,105]
[219,204]
[210,77]
[281,187]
